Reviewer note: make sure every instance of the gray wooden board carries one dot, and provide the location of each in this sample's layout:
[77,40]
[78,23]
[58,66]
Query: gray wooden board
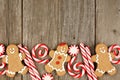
[30,22]
[107,27]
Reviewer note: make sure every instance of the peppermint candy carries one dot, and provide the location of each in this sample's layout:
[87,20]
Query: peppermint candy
[47,76]
[44,61]
[115,48]
[2,50]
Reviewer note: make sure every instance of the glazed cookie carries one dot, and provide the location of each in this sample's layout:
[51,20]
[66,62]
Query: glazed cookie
[59,57]
[14,61]
[103,59]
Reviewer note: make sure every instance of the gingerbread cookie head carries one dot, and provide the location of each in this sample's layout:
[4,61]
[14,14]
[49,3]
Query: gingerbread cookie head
[101,48]
[62,47]
[12,49]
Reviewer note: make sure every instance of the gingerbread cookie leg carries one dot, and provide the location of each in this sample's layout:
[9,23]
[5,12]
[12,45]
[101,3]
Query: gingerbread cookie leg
[10,73]
[61,73]
[112,71]
[48,68]
[99,72]
[23,70]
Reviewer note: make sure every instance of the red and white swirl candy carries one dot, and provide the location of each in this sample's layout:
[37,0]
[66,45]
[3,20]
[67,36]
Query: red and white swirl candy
[115,49]
[40,54]
[75,72]
[73,69]
[2,66]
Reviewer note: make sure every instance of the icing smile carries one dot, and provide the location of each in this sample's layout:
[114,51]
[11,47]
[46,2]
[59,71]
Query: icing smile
[12,50]
[62,49]
[102,50]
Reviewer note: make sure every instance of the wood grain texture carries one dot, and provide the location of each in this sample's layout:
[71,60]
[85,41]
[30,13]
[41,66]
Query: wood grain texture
[10,28]
[78,23]
[3,26]
[107,27]
[14,27]
[37,18]
[53,21]
[56,21]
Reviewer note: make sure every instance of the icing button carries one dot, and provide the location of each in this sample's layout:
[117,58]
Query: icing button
[57,62]
[59,57]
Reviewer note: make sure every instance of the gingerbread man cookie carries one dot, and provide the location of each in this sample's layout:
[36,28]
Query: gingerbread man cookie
[14,61]
[103,59]
[59,57]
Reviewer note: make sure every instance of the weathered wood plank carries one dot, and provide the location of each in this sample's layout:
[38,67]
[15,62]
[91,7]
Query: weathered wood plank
[3,24]
[10,25]
[14,27]
[39,25]
[107,27]
[3,21]
[55,21]
[78,25]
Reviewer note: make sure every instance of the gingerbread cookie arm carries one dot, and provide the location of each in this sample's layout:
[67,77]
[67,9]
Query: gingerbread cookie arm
[5,59]
[68,58]
[51,53]
[93,58]
[22,56]
[112,55]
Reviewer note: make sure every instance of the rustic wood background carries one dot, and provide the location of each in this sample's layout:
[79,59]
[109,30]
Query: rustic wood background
[53,21]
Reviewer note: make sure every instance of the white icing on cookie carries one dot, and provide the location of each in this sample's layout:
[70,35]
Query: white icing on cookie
[62,49]
[12,50]
[100,71]
[20,56]
[6,58]
[22,69]
[110,56]
[102,50]
[97,58]
[113,69]
[10,72]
